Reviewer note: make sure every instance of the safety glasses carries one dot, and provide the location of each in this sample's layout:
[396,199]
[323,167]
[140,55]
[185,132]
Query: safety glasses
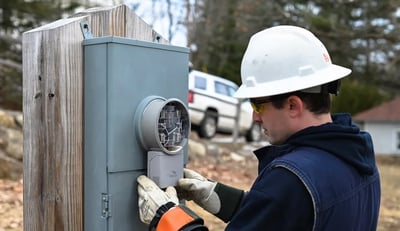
[258,105]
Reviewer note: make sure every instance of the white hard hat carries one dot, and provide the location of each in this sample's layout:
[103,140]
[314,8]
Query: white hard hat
[284,59]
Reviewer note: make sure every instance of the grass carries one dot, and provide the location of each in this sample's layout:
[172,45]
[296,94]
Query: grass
[389,218]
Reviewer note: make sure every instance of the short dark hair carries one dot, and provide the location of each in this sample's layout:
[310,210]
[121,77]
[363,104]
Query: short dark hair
[318,103]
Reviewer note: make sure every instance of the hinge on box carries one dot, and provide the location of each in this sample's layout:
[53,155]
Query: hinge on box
[105,206]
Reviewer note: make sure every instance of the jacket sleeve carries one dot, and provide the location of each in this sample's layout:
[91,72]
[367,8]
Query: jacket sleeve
[278,200]
[230,201]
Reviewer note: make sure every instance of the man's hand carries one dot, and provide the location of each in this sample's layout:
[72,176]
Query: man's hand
[197,188]
[151,197]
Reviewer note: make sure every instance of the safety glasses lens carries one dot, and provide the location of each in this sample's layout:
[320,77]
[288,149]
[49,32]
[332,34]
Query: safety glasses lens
[258,105]
[258,108]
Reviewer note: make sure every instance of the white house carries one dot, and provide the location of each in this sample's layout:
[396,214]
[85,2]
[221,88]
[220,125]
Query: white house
[383,123]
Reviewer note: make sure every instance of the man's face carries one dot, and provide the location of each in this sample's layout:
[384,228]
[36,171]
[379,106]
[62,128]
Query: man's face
[275,122]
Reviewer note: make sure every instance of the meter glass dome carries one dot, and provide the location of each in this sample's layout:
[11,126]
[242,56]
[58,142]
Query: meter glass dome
[164,125]
[172,126]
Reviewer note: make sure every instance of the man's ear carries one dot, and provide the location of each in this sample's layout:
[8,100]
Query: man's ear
[295,105]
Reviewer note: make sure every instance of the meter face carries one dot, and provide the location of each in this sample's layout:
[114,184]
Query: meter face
[164,125]
[172,126]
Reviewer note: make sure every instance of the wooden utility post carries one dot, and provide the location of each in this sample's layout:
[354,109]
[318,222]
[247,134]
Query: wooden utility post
[53,112]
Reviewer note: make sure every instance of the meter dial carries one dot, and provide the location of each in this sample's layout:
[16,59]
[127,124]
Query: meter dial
[163,124]
[171,132]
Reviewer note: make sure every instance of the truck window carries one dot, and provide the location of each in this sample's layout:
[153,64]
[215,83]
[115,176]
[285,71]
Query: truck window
[232,90]
[200,83]
[221,88]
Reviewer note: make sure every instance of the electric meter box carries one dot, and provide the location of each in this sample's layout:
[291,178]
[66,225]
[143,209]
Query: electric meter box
[121,78]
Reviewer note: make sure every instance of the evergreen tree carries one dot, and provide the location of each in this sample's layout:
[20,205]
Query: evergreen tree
[16,17]
[355,97]
[361,35]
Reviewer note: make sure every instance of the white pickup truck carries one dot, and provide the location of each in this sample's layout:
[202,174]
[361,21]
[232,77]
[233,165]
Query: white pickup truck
[212,107]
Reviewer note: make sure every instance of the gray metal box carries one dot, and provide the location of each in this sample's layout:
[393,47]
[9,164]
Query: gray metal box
[118,74]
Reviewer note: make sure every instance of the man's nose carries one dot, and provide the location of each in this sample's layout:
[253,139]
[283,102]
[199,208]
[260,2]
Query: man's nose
[256,117]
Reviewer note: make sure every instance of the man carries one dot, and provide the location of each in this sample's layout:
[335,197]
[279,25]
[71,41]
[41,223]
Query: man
[319,173]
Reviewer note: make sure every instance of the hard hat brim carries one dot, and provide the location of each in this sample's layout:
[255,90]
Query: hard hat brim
[294,83]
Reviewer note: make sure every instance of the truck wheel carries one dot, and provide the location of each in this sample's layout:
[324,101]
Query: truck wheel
[254,133]
[208,126]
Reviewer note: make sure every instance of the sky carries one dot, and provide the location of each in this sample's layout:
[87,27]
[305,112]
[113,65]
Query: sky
[158,19]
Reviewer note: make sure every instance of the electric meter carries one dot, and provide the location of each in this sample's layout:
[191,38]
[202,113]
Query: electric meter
[163,128]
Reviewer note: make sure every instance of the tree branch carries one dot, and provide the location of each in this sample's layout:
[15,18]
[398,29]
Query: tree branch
[12,64]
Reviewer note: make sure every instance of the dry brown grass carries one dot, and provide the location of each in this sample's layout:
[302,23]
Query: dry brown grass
[389,219]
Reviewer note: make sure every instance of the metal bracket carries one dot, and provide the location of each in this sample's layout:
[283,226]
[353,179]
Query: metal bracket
[85,27]
[105,206]
[156,37]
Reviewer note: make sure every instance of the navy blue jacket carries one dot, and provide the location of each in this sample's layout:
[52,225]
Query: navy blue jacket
[323,178]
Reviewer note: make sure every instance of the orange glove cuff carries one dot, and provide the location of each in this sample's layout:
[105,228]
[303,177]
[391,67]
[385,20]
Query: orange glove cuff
[177,218]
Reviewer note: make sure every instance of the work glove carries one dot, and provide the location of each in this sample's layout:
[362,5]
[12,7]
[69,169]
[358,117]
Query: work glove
[197,188]
[151,198]
[218,199]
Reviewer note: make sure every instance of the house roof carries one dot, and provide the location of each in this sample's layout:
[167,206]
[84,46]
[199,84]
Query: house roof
[387,111]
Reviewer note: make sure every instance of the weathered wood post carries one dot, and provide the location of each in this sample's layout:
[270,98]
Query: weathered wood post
[53,113]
